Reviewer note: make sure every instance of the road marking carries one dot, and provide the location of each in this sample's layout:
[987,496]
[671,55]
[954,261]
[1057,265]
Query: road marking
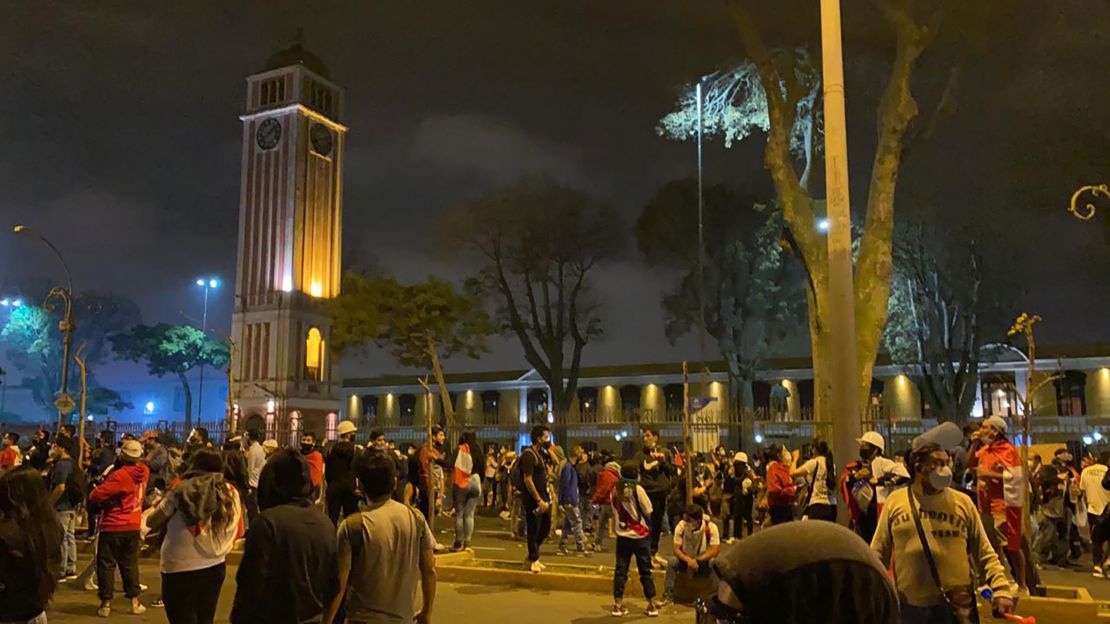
[487,548]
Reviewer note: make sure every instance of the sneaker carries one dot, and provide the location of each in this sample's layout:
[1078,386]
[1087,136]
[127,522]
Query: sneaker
[158,604]
[618,610]
[143,587]
[598,548]
[664,601]
[584,552]
[660,560]
[652,609]
[104,611]
[90,585]
[138,609]
[562,551]
[1097,572]
[536,567]
[70,576]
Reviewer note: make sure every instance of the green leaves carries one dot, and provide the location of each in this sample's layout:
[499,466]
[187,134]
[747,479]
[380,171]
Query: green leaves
[172,349]
[404,318]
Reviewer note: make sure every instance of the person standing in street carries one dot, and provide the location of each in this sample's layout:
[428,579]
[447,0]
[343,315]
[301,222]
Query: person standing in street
[256,459]
[466,487]
[656,467]
[1000,488]
[933,534]
[203,518]
[819,472]
[427,457]
[66,495]
[1098,511]
[288,573]
[10,457]
[121,498]
[535,494]
[385,535]
[606,479]
[743,496]
[780,486]
[30,547]
[341,489]
[569,494]
[632,509]
[315,461]
[1053,528]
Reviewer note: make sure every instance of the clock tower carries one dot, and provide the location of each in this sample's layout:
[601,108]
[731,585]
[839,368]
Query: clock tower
[290,218]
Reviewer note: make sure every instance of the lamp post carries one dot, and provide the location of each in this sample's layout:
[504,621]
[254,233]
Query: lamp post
[845,408]
[64,403]
[207,284]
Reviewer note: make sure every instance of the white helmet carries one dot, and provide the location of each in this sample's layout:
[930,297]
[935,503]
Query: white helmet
[874,438]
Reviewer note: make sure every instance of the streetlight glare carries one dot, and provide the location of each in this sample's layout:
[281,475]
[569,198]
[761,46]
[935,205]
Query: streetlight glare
[19,229]
[200,282]
[823,225]
[17,303]
[213,283]
[5,302]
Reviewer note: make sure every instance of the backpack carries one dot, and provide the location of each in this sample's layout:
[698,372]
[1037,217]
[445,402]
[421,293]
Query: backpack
[516,471]
[77,486]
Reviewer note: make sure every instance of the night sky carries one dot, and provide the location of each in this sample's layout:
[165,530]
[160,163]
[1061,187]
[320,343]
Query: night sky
[120,138]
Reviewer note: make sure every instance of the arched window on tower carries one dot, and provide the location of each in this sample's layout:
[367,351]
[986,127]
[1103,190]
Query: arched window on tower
[314,355]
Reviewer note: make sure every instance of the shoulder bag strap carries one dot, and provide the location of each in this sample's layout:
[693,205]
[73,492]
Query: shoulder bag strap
[928,552]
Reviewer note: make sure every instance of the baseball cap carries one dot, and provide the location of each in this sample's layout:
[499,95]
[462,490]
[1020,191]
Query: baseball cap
[270,444]
[346,427]
[997,422]
[132,449]
[874,438]
[740,456]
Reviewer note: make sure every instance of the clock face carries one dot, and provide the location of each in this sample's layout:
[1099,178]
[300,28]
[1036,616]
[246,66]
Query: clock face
[269,132]
[321,139]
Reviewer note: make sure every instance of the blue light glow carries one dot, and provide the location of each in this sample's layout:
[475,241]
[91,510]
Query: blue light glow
[149,407]
[823,225]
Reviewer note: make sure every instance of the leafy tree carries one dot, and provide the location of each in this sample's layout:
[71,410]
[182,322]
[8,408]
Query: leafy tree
[751,298]
[776,91]
[171,349]
[35,344]
[537,243]
[420,324]
[951,292]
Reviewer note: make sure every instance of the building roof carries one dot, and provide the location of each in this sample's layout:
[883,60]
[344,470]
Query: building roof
[296,54]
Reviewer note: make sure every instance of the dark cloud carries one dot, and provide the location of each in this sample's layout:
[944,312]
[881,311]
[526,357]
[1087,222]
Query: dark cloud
[119,135]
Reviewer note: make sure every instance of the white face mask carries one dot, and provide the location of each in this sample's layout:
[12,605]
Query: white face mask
[941,478]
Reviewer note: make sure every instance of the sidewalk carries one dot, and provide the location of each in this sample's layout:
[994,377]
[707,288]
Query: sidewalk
[485,604]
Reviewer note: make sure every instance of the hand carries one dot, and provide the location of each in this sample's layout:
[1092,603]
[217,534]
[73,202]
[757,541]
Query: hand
[543,507]
[1001,605]
[692,566]
[422,618]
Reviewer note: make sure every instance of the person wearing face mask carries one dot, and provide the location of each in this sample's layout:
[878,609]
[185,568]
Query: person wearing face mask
[315,460]
[1000,488]
[934,533]
[780,485]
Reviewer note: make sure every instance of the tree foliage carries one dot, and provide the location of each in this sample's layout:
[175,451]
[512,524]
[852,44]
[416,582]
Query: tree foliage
[171,350]
[418,324]
[950,296]
[752,298]
[779,40]
[34,343]
[537,244]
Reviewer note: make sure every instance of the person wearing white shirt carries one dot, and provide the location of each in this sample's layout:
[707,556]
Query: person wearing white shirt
[256,459]
[697,542]
[818,471]
[1098,514]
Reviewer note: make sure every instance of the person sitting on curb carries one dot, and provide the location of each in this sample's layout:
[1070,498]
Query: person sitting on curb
[697,542]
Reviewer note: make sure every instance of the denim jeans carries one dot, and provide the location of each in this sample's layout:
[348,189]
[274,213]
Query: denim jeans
[572,523]
[676,565]
[466,504]
[68,520]
[627,548]
[605,513]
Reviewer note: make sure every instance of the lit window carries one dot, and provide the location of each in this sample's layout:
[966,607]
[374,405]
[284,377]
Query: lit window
[314,355]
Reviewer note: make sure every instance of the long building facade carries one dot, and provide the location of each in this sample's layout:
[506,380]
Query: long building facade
[613,402]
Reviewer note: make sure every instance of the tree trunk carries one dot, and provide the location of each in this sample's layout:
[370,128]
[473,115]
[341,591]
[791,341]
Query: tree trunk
[444,395]
[188,401]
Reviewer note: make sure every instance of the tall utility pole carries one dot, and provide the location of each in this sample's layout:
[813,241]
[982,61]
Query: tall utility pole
[206,284]
[845,406]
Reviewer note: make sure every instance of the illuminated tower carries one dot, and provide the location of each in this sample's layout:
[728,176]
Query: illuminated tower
[290,217]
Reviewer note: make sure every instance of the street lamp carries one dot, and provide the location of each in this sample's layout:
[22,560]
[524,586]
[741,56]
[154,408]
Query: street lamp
[209,283]
[64,403]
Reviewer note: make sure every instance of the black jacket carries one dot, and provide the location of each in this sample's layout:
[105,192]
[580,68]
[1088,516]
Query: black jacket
[655,475]
[285,542]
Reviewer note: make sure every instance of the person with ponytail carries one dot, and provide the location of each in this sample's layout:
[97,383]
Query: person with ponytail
[819,472]
[467,479]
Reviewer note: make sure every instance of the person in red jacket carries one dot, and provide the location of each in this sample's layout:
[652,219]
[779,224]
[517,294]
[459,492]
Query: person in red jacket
[606,479]
[780,486]
[120,498]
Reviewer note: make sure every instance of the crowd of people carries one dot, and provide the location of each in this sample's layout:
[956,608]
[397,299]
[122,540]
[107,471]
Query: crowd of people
[315,523]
